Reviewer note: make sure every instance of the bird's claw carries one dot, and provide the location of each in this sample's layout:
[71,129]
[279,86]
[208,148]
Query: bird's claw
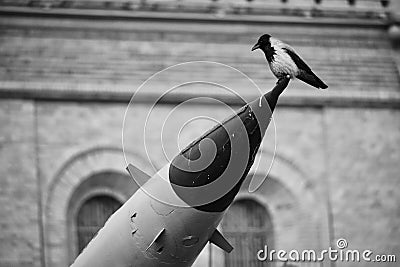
[282,78]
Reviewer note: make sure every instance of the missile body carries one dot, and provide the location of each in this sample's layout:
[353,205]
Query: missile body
[170,219]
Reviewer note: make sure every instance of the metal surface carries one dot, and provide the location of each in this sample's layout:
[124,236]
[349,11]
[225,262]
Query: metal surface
[148,231]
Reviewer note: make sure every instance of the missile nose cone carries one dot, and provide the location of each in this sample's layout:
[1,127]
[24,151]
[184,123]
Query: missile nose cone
[208,174]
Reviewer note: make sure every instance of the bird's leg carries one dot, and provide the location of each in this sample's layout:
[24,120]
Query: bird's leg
[283,77]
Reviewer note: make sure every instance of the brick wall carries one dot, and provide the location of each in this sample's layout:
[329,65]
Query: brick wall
[363,171]
[19,193]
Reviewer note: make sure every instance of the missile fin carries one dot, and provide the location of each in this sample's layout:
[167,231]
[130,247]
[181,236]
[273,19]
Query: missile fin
[137,174]
[219,240]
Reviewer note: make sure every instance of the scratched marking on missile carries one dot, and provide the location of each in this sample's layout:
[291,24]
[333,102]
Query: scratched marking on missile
[163,210]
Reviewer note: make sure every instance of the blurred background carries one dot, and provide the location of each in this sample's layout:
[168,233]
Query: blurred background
[68,69]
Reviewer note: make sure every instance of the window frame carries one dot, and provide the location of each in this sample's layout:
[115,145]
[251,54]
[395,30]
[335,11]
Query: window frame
[258,200]
[74,210]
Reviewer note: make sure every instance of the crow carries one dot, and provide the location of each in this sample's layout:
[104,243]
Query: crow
[284,61]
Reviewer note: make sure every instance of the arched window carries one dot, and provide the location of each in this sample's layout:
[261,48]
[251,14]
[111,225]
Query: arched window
[248,227]
[92,215]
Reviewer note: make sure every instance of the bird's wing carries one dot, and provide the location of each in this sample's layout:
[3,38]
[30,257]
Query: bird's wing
[297,60]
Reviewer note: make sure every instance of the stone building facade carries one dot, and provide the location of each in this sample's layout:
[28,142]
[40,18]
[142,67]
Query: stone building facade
[69,70]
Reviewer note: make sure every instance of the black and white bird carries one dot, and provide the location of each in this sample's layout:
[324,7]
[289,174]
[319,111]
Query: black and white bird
[283,61]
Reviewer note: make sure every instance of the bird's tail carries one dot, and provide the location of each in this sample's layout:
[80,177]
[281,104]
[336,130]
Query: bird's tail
[312,79]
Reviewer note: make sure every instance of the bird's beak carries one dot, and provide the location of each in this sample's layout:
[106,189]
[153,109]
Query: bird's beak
[256,46]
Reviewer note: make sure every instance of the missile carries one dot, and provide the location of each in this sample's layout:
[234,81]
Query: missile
[175,213]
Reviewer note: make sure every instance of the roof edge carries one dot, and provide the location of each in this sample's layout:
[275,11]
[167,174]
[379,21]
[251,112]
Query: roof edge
[192,17]
[294,98]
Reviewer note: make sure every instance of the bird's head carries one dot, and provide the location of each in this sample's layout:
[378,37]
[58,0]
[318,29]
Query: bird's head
[263,43]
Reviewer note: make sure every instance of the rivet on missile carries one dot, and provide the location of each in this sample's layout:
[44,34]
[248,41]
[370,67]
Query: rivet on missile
[133,227]
[134,231]
[160,250]
[190,240]
[133,223]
